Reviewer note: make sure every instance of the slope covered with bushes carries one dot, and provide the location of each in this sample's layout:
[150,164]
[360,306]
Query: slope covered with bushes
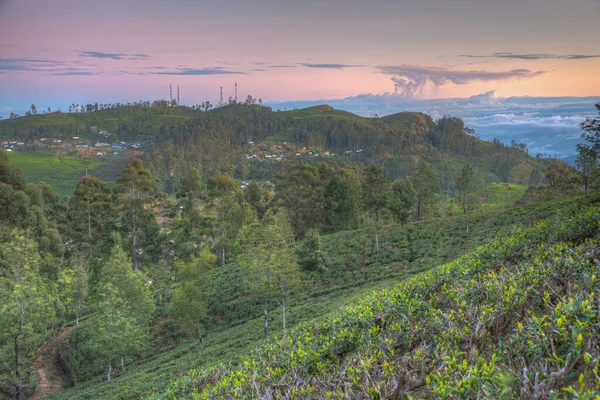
[516,318]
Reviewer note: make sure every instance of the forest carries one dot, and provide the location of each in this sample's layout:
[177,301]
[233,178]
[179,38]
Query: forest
[390,273]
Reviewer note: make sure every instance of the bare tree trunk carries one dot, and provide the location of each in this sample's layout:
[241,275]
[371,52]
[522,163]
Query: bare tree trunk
[17,371]
[223,254]
[109,371]
[283,314]
[266,319]
[122,364]
[134,253]
[89,222]
[377,241]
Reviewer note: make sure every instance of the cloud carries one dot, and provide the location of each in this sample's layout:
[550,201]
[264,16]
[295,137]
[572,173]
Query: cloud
[533,56]
[258,63]
[113,56]
[283,66]
[199,71]
[76,73]
[330,66]
[411,80]
[27,64]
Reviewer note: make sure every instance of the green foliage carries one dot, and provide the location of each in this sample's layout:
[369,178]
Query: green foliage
[402,200]
[189,306]
[91,214]
[270,267]
[27,307]
[192,186]
[427,187]
[518,307]
[138,223]
[310,253]
[122,311]
[342,201]
[465,187]
[375,190]
[73,289]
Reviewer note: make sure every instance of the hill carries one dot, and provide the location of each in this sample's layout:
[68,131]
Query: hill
[515,318]
[354,269]
[225,139]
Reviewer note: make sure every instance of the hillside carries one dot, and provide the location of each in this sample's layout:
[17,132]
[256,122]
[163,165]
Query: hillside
[514,318]
[354,269]
[232,139]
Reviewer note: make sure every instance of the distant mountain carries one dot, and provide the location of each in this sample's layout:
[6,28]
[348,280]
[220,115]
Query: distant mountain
[227,138]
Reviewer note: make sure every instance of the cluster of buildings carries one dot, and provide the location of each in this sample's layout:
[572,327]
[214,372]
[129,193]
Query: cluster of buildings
[12,145]
[280,152]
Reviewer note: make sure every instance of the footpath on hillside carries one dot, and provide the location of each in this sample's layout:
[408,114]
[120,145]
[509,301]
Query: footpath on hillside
[51,378]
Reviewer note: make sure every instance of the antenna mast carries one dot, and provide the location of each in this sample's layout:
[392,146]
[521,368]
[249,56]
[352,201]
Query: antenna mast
[236,91]
[221,101]
[170,94]
[178,103]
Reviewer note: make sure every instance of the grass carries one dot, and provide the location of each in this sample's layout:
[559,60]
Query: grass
[355,270]
[61,173]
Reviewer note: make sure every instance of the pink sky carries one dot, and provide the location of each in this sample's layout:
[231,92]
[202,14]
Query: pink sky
[64,51]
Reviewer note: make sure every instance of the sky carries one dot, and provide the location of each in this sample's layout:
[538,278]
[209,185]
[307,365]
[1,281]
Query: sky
[58,52]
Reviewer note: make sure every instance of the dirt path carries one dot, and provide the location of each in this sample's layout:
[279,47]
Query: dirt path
[51,379]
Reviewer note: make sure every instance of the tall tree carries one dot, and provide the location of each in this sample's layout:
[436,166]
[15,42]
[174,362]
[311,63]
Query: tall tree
[586,162]
[74,284]
[190,301]
[26,310]
[90,213]
[121,313]
[192,186]
[426,185]
[310,253]
[591,131]
[376,191]
[269,263]
[342,201]
[465,186]
[402,200]
[133,190]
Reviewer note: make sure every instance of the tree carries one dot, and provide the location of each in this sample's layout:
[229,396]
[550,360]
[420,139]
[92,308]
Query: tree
[562,178]
[586,162]
[402,200]
[342,201]
[26,310]
[591,131]
[426,185]
[255,197]
[33,109]
[90,212]
[465,186]
[10,174]
[190,301]
[376,191]
[310,253]
[132,191]
[121,313]
[300,192]
[192,186]
[74,288]
[268,262]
